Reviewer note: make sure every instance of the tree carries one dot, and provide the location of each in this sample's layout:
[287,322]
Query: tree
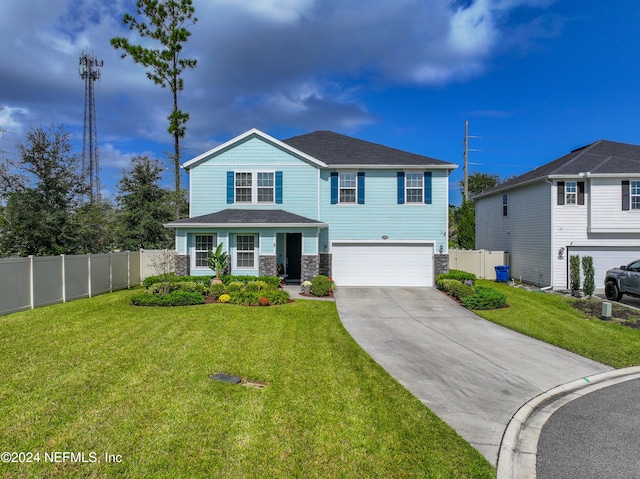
[465,225]
[145,206]
[93,228]
[589,282]
[462,220]
[167,24]
[41,195]
[479,182]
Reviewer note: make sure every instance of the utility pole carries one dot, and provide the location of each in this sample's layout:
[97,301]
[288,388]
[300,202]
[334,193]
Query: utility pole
[89,72]
[466,159]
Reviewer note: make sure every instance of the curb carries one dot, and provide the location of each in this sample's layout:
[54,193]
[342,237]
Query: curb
[519,447]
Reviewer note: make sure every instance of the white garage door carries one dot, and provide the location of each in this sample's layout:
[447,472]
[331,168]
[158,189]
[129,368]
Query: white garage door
[605,258]
[382,264]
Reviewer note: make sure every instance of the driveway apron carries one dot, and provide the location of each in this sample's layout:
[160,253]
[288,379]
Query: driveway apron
[472,373]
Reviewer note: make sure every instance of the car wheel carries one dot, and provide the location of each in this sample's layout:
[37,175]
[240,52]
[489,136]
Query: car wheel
[612,292]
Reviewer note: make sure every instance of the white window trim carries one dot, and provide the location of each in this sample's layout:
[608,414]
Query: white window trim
[354,188]
[256,248]
[194,265]
[570,197]
[407,188]
[254,187]
[632,195]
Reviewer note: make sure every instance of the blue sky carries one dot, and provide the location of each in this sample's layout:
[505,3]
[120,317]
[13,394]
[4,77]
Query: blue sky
[534,78]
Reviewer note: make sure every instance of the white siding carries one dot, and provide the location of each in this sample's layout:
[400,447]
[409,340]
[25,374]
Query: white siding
[569,227]
[607,215]
[525,232]
[599,228]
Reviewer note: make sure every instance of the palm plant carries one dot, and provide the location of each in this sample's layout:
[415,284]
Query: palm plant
[218,261]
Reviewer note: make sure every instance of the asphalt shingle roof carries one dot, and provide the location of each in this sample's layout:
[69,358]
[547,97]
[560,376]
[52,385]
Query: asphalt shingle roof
[336,150]
[599,158]
[246,217]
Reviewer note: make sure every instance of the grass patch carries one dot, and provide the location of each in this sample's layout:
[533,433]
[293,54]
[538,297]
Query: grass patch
[98,375]
[552,318]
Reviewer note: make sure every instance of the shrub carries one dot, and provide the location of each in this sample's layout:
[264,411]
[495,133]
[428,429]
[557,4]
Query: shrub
[445,284]
[224,298]
[255,286]
[456,274]
[574,272]
[166,288]
[485,298]
[320,285]
[177,298]
[189,287]
[234,286]
[263,301]
[216,290]
[589,283]
[460,290]
[276,296]
[204,280]
[246,298]
[273,281]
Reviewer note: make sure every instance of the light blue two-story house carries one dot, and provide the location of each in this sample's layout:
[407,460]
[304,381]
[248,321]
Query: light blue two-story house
[320,203]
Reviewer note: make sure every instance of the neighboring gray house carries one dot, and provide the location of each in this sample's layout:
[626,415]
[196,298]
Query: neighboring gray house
[584,203]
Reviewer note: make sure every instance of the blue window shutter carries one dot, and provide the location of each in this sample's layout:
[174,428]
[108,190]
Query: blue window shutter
[401,187]
[279,187]
[361,187]
[427,188]
[334,187]
[230,183]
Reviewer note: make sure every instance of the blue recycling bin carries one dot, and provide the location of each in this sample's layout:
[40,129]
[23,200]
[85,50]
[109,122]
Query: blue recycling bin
[502,274]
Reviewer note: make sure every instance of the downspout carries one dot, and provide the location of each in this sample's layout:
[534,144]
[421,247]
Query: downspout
[552,238]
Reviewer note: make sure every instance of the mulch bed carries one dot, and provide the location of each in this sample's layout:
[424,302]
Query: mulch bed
[619,313]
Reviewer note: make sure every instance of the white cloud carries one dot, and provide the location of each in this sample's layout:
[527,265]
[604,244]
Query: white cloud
[295,63]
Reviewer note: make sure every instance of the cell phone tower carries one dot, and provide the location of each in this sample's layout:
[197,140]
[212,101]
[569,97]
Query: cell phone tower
[89,72]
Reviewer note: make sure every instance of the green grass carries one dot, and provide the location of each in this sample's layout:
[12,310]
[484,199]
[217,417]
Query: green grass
[552,319]
[99,375]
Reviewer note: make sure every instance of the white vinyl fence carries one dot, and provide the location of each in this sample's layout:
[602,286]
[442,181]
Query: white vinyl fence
[481,262]
[27,283]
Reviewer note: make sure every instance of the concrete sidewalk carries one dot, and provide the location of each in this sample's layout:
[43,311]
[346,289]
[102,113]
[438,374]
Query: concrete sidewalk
[475,375]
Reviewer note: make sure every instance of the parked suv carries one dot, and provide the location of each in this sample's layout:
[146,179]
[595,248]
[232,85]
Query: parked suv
[623,280]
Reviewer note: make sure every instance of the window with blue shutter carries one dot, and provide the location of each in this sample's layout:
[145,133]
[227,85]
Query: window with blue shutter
[427,188]
[361,188]
[401,187]
[334,187]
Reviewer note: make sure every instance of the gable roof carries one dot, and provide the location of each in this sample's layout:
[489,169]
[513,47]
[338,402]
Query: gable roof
[246,217]
[254,132]
[602,158]
[334,149]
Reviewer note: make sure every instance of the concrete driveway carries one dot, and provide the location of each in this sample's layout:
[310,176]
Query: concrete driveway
[472,373]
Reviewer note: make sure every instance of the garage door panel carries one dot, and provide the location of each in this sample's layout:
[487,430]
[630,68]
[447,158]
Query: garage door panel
[374,264]
[605,258]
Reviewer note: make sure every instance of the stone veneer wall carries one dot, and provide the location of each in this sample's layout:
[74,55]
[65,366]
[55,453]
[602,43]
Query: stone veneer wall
[440,264]
[325,264]
[310,267]
[182,265]
[268,266]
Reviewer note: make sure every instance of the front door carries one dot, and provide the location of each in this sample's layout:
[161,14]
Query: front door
[294,256]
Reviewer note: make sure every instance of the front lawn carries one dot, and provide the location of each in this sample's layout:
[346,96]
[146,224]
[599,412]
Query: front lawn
[551,318]
[99,376]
